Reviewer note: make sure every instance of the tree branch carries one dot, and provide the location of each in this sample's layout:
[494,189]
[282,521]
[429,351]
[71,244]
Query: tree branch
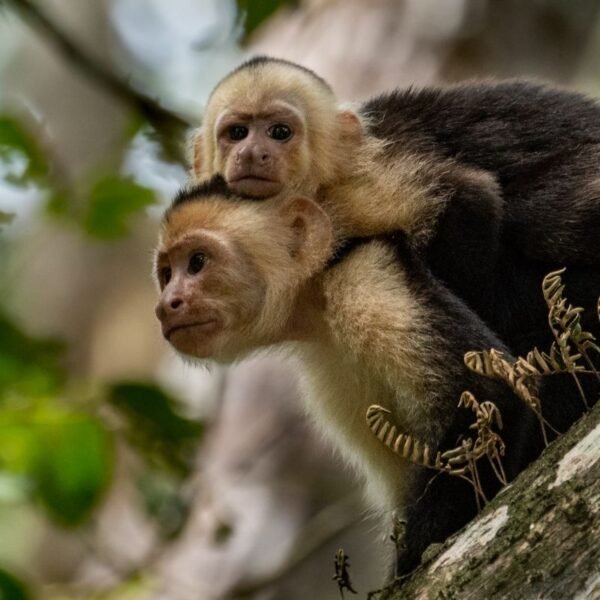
[169,125]
[539,538]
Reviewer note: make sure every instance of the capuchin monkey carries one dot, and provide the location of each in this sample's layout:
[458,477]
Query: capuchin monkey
[494,184]
[374,327]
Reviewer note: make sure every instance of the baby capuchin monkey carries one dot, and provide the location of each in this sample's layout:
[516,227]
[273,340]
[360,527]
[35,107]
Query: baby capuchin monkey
[238,275]
[495,184]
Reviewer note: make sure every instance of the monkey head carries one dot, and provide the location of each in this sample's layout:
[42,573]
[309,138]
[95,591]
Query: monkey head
[270,125]
[232,272]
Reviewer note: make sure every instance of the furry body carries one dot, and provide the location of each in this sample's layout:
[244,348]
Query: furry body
[514,180]
[496,184]
[372,327]
[399,341]
[486,187]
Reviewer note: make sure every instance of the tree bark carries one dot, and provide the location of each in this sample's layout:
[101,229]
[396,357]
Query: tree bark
[539,538]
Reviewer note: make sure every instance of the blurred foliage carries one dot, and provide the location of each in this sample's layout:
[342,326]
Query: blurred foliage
[164,502]
[112,202]
[255,13]
[103,209]
[11,588]
[63,457]
[16,142]
[153,425]
[58,441]
[167,441]
[6,218]
[29,368]
[72,465]
[61,454]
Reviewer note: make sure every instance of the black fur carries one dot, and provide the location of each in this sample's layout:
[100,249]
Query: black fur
[215,186]
[261,60]
[440,504]
[542,146]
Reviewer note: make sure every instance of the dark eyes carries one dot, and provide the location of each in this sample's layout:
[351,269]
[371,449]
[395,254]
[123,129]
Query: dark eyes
[279,132]
[196,263]
[164,276]
[237,132]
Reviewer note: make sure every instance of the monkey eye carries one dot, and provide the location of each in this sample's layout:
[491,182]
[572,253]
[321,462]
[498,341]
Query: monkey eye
[237,132]
[164,276]
[196,263]
[279,132]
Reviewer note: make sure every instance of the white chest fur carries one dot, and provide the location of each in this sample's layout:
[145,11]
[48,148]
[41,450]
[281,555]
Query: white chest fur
[337,393]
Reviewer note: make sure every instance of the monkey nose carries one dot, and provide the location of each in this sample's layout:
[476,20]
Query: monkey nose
[262,156]
[168,306]
[244,155]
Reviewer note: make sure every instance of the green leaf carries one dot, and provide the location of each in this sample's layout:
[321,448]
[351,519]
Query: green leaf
[18,443]
[72,466]
[154,425]
[15,140]
[112,202]
[255,13]
[11,588]
[28,366]
[58,204]
[6,218]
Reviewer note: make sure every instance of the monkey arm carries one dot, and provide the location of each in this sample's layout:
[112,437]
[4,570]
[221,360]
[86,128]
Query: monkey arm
[452,214]
[387,310]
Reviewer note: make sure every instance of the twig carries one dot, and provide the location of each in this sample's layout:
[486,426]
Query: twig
[320,530]
[168,124]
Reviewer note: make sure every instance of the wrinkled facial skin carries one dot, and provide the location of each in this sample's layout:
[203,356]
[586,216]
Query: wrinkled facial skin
[256,151]
[208,292]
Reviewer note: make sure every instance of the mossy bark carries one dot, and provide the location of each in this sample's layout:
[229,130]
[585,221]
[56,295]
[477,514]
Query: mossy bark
[539,538]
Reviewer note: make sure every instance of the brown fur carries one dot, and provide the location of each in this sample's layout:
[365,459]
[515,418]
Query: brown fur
[256,93]
[351,174]
[374,328]
[355,352]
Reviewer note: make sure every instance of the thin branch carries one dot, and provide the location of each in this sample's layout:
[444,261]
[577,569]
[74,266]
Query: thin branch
[319,531]
[168,124]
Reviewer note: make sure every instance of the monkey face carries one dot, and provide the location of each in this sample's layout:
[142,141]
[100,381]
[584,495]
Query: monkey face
[230,272]
[271,127]
[200,277]
[258,151]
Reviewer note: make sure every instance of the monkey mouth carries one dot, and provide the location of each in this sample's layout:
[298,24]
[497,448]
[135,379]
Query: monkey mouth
[208,326]
[255,186]
[251,177]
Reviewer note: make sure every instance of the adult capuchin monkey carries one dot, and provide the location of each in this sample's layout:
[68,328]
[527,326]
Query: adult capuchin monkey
[494,184]
[236,275]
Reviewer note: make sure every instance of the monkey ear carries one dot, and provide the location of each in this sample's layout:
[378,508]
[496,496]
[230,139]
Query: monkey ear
[312,232]
[350,125]
[197,153]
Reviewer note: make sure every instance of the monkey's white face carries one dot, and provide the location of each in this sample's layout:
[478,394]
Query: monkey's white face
[230,272]
[258,151]
[209,294]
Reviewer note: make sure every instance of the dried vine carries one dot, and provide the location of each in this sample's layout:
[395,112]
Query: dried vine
[460,461]
[522,375]
[565,322]
[571,344]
